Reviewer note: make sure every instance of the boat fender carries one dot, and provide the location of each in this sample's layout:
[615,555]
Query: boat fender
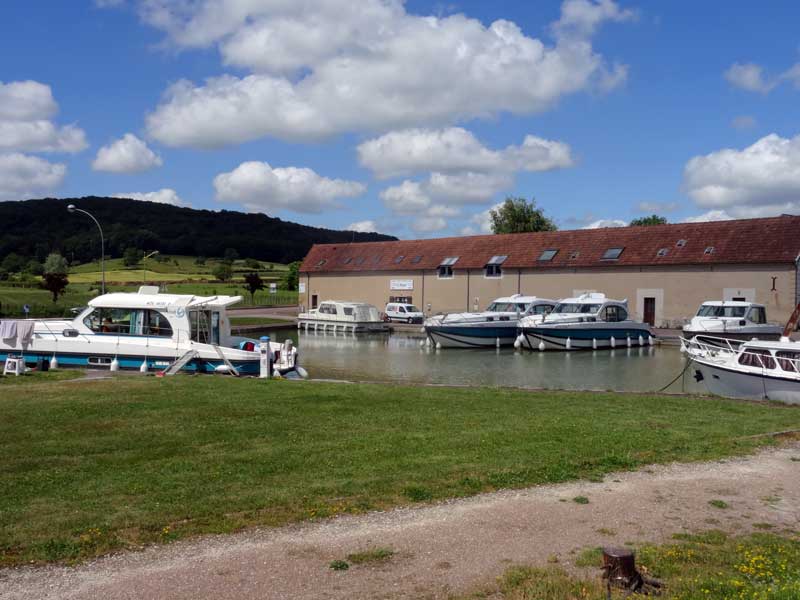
[302,372]
[629,341]
[541,346]
[497,342]
[568,345]
[143,367]
[438,345]
[114,365]
[650,339]
[641,340]
[53,363]
[517,344]
[613,342]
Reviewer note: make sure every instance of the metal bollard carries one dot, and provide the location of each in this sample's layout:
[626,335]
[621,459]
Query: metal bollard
[265,361]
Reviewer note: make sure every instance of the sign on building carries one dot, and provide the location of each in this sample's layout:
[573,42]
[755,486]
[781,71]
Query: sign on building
[273,288]
[401,284]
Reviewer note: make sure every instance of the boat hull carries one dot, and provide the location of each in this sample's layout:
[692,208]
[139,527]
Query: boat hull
[721,380]
[464,336]
[584,337]
[347,326]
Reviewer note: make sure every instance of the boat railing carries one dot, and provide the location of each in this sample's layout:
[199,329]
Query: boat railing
[763,358]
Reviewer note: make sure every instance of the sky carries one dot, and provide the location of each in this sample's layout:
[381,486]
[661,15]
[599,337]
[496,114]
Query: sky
[409,118]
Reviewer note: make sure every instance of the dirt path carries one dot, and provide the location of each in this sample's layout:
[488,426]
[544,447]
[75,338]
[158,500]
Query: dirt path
[443,549]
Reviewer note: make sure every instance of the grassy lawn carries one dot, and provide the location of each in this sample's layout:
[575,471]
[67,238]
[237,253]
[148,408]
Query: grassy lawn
[87,467]
[709,565]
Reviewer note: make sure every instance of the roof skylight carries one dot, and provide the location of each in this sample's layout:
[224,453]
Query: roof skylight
[449,261]
[612,253]
[416,259]
[548,254]
[497,260]
[709,250]
[574,254]
[680,243]
[322,262]
[399,259]
[663,252]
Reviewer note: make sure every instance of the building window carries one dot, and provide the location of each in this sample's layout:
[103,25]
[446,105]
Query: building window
[709,250]
[494,271]
[445,272]
[662,252]
[547,255]
[612,253]
[399,259]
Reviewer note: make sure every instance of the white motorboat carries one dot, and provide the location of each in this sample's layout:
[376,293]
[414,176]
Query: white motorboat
[733,320]
[496,326]
[756,370]
[590,321]
[351,317]
[146,331]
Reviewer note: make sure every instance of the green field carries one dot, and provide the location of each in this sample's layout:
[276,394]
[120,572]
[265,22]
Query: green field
[89,467]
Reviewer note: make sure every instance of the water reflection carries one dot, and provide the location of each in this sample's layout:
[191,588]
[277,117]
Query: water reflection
[399,357]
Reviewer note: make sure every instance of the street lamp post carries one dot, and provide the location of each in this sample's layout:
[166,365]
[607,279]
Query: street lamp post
[144,265]
[72,208]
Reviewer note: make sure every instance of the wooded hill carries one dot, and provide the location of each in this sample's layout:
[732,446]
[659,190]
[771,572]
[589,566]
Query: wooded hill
[33,228]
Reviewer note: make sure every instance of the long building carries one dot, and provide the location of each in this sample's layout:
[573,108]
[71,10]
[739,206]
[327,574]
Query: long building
[664,271]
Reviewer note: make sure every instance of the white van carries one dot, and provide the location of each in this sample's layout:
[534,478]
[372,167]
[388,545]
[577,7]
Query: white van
[407,313]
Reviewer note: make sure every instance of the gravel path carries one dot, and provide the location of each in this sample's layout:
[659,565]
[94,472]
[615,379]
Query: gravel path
[447,548]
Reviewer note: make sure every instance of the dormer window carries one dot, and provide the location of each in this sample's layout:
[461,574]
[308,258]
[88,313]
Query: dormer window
[612,253]
[709,250]
[493,268]
[662,252]
[547,255]
[445,270]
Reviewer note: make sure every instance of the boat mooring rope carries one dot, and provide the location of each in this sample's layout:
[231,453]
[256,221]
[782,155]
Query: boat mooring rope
[691,360]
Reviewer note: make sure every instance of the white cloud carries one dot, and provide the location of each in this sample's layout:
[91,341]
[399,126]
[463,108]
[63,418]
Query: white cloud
[606,223]
[711,215]
[25,125]
[761,180]
[468,187]
[455,149]
[41,136]
[23,176]
[657,207]
[128,154]
[320,68]
[408,198]
[162,196]
[362,226]
[743,122]
[26,101]
[750,77]
[262,188]
[428,224]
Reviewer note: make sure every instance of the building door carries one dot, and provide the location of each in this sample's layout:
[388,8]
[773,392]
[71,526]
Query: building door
[314,300]
[650,311]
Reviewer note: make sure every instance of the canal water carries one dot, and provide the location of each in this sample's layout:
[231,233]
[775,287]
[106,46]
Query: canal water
[399,358]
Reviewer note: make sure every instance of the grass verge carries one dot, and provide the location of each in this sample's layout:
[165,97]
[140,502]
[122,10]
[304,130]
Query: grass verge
[710,566]
[89,467]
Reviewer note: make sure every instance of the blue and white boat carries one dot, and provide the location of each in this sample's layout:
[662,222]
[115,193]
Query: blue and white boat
[590,321]
[146,331]
[496,326]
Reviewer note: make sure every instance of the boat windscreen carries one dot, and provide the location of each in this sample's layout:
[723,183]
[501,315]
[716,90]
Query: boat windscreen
[708,310]
[502,307]
[578,308]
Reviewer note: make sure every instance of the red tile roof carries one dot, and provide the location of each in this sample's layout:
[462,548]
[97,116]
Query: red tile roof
[747,241]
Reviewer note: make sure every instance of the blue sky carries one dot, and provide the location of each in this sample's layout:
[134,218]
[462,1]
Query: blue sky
[412,119]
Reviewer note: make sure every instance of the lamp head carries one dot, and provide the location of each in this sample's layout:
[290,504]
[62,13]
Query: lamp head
[71,208]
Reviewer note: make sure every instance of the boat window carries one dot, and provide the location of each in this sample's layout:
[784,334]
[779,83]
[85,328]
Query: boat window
[758,315]
[563,307]
[348,310]
[735,312]
[155,323]
[612,253]
[542,309]
[110,320]
[547,255]
[789,361]
[757,357]
[327,309]
[200,324]
[614,314]
[493,271]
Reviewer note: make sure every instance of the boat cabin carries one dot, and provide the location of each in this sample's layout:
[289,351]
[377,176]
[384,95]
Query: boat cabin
[734,310]
[592,306]
[525,305]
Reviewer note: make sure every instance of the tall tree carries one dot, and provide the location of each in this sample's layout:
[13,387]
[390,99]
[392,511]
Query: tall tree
[292,276]
[223,272]
[131,256]
[645,221]
[254,283]
[517,215]
[55,275]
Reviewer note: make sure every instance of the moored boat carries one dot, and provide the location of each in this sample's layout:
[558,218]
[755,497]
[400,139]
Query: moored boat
[755,370]
[496,326]
[146,331]
[589,321]
[335,315]
[732,320]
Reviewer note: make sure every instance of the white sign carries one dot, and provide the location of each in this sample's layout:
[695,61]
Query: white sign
[273,288]
[301,287]
[401,284]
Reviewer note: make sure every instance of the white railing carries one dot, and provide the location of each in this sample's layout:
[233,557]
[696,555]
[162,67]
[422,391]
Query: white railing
[761,358]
